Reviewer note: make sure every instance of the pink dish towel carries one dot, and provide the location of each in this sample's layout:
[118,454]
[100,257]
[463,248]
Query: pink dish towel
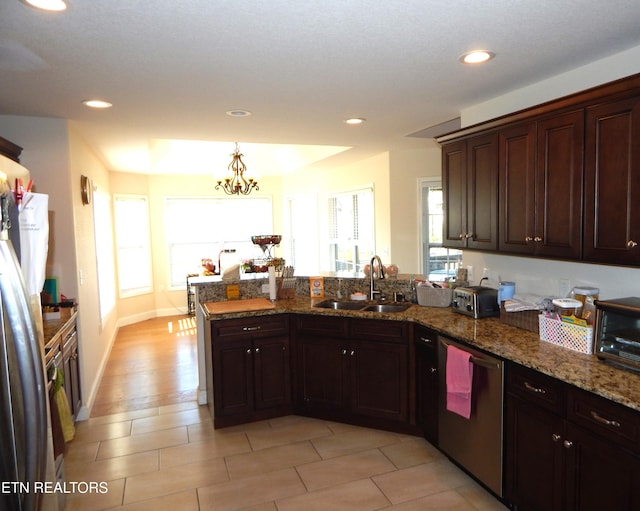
[459,378]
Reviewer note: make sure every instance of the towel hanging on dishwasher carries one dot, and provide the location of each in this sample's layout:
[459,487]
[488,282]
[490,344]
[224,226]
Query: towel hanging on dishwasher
[459,379]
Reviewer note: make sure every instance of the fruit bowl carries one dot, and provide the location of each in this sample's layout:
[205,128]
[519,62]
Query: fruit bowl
[267,239]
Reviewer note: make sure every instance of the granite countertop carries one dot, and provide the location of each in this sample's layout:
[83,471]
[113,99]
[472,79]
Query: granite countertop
[505,341]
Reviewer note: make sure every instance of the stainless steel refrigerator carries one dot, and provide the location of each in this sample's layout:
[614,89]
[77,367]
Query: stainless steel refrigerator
[25,454]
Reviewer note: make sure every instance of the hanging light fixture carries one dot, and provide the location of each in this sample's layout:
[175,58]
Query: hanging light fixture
[237,184]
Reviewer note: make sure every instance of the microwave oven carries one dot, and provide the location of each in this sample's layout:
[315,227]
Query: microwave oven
[617,331]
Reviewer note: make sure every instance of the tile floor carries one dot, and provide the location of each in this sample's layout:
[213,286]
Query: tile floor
[170,458]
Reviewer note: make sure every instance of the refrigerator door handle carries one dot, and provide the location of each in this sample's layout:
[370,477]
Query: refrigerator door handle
[30,369]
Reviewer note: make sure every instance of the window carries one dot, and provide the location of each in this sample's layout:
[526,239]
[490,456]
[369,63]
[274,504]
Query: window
[300,240]
[200,227]
[104,254]
[131,213]
[351,230]
[439,263]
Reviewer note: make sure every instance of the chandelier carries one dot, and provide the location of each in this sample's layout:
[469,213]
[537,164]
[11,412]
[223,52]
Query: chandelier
[237,184]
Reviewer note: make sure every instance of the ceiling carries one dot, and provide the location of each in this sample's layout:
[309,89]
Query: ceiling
[173,68]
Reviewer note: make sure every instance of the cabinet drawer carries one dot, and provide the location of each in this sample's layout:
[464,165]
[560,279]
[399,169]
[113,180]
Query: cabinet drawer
[332,326]
[426,338]
[256,326]
[384,330]
[535,387]
[601,416]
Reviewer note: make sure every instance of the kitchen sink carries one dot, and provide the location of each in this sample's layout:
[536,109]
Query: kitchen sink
[387,307]
[360,306]
[338,305]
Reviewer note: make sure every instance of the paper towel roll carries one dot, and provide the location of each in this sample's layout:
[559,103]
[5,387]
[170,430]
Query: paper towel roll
[272,283]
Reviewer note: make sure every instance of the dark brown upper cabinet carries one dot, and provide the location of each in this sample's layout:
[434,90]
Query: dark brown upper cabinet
[568,174]
[541,179]
[612,192]
[470,183]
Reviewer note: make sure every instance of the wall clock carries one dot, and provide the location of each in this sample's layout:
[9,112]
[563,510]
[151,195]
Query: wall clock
[86,190]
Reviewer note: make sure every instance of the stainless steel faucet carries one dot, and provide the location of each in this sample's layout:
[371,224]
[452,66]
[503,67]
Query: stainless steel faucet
[374,293]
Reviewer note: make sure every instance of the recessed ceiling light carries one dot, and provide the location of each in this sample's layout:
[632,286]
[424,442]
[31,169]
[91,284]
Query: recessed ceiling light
[477,57]
[355,120]
[47,5]
[238,113]
[96,103]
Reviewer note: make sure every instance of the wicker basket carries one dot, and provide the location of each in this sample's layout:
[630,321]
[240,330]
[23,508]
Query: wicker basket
[575,337]
[434,296]
[527,320]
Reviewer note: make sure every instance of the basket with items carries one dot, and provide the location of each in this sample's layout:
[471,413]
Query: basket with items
[432,294]
[566,325]
[262,265]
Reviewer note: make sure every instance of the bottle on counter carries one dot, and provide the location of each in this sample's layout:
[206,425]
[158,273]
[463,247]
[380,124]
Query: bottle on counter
[587,296]
[413,290]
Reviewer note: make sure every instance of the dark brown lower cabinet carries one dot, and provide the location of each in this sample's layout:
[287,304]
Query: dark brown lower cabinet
[251,369]
[567,449]
[71,368]
[353,370]
[427,382]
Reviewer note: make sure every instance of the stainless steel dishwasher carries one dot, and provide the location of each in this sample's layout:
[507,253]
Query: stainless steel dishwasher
[474,443]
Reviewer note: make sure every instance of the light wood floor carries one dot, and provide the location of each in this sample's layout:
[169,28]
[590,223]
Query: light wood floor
[151,447]
[152,363]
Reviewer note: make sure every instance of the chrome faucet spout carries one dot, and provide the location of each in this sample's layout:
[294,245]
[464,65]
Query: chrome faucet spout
[373,292]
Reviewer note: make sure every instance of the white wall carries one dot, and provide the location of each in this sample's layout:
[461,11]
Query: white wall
[56,157]
[597,73]
[406,168]
[46,155]
[549,278]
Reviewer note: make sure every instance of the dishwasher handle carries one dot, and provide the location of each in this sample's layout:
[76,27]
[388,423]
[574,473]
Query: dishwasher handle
[489,364]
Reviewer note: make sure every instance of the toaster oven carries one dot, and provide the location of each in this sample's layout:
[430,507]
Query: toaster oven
[617,332]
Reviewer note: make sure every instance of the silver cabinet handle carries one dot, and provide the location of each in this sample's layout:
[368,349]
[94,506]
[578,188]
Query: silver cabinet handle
[257,350]
[250,328]
[568,444]
[344,352]
[631,244]
[599,418]
[537,239]
[434,370]
[353,352]
[468,235]
[555,437]
[535,390]
[426,340]
[248,351]
[528,239]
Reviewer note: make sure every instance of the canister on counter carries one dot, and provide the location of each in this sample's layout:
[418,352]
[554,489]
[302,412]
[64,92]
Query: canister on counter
[567,307]
[506,290]
[586,296]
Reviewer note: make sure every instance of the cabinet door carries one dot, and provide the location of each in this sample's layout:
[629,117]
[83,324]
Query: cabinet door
[482,192]
[233,376]
[272,380]
[534,457]
[427,383]
[74,382]
[322,373]
[516,166]
[454,183]
[379,381]
[612,183]
[560,141]
[600,475]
